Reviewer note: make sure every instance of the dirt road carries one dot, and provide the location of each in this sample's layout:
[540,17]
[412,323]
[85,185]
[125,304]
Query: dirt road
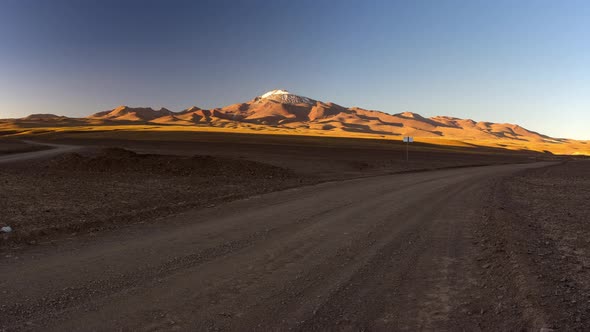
[56,149]
[390,252]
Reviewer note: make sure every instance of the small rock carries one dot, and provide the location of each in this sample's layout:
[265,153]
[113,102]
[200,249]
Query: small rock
[6,229]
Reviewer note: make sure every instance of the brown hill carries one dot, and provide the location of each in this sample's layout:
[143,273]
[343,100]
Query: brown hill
[127,113]
[43,116]
[281,110]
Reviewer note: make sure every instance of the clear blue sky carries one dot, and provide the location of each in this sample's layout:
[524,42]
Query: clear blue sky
[525,62]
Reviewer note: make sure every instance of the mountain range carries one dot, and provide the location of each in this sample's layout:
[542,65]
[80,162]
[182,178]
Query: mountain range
[279,109]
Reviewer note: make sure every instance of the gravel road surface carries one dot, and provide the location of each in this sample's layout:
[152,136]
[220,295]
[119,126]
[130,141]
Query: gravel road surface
[381,253]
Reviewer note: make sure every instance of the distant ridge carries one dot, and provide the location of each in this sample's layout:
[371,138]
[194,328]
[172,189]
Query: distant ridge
[286,111]
[44,116]
[132,114]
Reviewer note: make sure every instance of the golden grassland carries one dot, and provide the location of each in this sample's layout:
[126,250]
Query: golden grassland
[183,133]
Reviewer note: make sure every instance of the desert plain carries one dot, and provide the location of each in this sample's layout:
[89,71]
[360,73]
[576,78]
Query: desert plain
[294,166]
[206,230]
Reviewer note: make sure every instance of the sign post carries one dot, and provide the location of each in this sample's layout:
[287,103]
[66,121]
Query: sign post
[408,140]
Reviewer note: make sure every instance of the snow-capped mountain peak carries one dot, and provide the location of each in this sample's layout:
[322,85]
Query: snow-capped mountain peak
[275,92]
[285,97]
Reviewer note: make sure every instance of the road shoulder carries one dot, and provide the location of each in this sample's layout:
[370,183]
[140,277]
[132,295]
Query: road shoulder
[533,251]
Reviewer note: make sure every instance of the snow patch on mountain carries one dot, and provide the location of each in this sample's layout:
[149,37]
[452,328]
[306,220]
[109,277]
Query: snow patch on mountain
[285,97]
[275,92]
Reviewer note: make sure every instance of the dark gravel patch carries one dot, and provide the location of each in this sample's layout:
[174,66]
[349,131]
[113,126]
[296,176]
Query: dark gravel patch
[112,187]
[535,250]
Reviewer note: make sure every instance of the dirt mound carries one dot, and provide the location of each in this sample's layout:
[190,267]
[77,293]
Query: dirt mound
[115,160]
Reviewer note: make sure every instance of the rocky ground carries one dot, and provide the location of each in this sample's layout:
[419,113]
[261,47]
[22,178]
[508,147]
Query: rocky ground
[534,251]
[103,189]
[106,187]
[486,248]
